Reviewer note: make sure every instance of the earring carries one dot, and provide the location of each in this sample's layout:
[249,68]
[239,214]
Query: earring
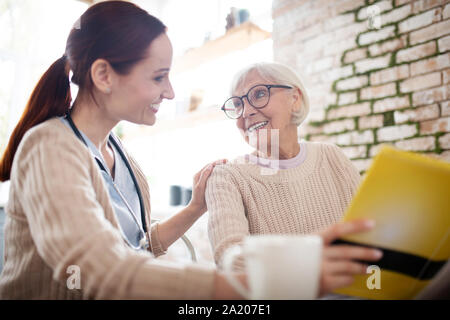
[108,90]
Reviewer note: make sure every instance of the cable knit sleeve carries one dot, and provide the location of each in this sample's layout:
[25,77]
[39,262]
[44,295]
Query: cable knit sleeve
[227,224]
[68,227]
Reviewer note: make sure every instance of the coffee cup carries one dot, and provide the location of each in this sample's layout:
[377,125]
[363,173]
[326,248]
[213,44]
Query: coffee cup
[278,267]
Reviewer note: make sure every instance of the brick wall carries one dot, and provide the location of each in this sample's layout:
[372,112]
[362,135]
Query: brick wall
[376,72]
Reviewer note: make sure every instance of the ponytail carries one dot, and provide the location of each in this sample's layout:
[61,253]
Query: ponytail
[50,98]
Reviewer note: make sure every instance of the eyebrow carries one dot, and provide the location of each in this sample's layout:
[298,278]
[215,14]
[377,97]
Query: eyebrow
[162,69]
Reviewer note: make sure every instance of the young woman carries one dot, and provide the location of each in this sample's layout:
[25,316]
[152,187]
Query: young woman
[79,205]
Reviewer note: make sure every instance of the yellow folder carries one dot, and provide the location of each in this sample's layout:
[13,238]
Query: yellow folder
[408,196]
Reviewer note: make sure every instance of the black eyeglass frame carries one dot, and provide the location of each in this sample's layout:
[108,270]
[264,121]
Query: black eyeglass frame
[268,86]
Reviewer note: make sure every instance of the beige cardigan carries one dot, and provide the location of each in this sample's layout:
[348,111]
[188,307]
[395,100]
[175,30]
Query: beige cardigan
[243,199]
[59,214]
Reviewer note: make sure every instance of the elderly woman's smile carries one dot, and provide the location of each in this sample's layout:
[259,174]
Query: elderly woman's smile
[256,126]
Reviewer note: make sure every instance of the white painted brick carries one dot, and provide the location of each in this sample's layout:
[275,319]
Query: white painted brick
[389,75]
[316,115]
[337,48]
[416,52]
[336,73]
[370,122]
[436,30]
[445,108]
[445,76]
[421,82]
[444,141]
[347,5]
[395,15]
[420,21]
[347,98]
[432,64]
[423,5]
[417,114]
[433,126]
[396,132]
[444,44]
[446,12]
[387,46]
[417,144]
[399,3]
[355,55]
[378,91]
[355,152]
[352,83]
[374,36]
[339,21]
[361,109]
[339,126]
[372,63]
[431,96]
[352,138]
[323,64]
[390,104]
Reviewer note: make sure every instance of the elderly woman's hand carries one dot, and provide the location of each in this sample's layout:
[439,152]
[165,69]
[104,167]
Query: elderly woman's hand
[339,263]
[198,203]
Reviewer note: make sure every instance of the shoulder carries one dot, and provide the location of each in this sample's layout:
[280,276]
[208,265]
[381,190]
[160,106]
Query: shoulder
[229,173]
[336,159]
[50,130]
[51,135]
[321,146]
[226,170]
[325,149]
[332,154]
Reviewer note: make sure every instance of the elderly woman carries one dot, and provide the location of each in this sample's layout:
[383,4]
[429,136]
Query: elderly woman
[285,186]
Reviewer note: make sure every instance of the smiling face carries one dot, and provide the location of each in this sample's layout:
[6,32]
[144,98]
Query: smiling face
[136,96]
[257,124]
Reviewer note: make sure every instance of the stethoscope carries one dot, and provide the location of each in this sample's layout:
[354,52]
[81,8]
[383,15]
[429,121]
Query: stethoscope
[144,242]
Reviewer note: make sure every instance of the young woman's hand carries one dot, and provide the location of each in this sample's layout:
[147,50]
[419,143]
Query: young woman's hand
[198,203]
[339,263]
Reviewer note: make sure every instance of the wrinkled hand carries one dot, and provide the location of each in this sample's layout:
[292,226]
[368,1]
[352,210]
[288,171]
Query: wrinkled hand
[339,265]
[198,203]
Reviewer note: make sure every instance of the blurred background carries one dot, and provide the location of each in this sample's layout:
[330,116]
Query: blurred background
[376,72]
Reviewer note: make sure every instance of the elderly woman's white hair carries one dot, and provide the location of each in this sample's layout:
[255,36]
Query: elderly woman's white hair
[276,73]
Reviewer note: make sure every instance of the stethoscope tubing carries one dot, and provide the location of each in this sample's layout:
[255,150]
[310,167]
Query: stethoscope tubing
[113,140]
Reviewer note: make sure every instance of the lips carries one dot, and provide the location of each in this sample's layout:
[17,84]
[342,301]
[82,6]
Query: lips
[154,107]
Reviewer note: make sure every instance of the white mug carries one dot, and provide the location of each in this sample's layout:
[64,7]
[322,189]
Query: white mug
[277,266]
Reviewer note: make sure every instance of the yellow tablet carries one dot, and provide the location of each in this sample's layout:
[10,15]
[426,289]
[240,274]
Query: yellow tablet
[408,196]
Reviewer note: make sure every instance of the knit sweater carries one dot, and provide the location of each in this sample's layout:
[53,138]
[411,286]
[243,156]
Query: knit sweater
[244,199]
[59,215]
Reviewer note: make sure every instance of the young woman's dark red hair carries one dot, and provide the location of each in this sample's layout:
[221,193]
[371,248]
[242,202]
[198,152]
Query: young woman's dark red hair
[117,31]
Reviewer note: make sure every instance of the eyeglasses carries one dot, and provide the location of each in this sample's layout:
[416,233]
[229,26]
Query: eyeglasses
[258,96]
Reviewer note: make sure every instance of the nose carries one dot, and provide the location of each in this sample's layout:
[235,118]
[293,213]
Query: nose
[168,92]
[249,110]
